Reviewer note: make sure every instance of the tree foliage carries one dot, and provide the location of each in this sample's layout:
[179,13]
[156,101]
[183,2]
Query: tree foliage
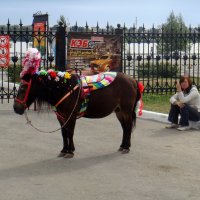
[174,35]
[62,21]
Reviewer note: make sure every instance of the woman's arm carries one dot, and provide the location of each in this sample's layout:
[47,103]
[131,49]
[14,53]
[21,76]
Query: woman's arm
[192,95]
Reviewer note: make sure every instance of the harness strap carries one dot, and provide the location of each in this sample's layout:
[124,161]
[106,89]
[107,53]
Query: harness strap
[23,101]
[70,92]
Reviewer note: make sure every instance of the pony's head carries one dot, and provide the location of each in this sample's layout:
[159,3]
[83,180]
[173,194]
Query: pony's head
[42,86]
[31,63]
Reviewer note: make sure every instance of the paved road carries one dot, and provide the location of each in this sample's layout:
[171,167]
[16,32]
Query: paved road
[162,165]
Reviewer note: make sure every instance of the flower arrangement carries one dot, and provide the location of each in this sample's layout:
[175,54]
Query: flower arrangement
[31,62]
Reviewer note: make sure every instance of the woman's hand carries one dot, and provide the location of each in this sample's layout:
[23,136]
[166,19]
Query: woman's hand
[178,87]
[179,104]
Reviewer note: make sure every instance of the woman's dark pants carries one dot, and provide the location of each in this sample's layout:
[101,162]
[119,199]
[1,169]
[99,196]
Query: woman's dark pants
[186,113]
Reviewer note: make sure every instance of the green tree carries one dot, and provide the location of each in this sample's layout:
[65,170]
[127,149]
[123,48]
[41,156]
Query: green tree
[62,20]
[174,35]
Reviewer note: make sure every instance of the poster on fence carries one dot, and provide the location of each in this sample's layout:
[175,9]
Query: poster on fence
[98,53]
[40,23]
[4,51]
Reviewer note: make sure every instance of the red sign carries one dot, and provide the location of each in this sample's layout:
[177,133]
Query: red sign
[4,51]
[81,43]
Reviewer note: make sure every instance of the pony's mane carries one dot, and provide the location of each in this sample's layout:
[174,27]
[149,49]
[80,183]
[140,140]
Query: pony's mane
[56,82]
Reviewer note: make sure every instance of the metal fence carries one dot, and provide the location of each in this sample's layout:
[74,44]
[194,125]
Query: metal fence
[154,57]
[159,58]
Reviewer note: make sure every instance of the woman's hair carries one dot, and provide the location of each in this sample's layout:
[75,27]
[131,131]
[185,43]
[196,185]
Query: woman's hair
[182,79]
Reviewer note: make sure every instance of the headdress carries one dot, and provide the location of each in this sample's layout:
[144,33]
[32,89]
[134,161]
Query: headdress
[31,62]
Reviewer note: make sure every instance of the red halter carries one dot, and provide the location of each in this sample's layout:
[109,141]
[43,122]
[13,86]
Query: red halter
[23,101]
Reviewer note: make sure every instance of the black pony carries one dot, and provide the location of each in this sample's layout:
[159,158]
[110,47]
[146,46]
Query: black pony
[67,95]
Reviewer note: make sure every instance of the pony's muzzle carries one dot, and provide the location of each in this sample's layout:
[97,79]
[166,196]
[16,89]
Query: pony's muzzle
[19,109]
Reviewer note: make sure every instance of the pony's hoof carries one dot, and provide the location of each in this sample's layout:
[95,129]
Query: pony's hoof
[61,154]
[124,151]
[69,155]
[120,149]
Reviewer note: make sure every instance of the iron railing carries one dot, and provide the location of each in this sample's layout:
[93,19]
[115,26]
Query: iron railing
[154,57]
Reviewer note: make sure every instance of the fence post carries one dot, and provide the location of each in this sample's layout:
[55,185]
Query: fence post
[119,32]
[60,48]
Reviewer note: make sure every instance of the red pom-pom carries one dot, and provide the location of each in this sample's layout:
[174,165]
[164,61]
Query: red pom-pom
[52,74]
[141,87]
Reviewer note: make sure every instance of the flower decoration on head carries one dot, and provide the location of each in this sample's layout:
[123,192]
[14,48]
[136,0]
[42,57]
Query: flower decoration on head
[61,74]
[43,73]
[56,76]
[67,75]
[52,73]
[57,79]
[31,62]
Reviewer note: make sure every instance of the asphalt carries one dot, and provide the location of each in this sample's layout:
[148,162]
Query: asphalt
[163,164]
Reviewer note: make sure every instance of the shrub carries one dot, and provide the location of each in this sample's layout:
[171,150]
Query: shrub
[164,71]
[14,73]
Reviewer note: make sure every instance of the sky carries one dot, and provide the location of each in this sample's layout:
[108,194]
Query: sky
[113,12]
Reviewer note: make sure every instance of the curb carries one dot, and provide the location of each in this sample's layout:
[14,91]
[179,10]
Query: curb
[160,117]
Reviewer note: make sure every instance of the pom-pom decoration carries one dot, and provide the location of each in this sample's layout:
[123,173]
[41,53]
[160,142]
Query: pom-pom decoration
[55,75]
[52,73]
[141,104]
[31,62]
[67,75]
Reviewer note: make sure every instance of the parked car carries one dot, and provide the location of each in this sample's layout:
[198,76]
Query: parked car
[106,62]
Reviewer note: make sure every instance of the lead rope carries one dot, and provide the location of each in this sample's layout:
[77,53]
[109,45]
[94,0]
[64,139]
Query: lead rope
[42,131]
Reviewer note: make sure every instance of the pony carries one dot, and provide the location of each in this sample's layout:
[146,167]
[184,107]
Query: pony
[67,94]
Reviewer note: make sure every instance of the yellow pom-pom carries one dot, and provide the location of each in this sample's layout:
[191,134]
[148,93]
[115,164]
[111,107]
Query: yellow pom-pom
[67,75]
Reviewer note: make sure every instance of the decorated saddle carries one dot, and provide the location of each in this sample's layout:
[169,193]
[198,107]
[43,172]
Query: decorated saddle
[94,82]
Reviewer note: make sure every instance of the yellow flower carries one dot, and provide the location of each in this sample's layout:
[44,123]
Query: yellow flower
[67,75]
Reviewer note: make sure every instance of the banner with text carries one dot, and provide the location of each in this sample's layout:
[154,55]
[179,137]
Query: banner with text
[99,53]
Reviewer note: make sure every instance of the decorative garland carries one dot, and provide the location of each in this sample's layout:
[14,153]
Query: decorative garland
[54,75]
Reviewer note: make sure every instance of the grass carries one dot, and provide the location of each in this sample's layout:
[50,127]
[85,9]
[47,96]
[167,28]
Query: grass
[156,103]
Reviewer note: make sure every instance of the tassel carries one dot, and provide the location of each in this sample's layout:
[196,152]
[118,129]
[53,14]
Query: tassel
[141,104]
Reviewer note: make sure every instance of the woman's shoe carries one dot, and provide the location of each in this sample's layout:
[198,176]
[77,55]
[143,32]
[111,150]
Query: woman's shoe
[183,128]
[172,125]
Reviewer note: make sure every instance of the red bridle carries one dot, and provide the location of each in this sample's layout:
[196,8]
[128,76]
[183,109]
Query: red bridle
[23,101]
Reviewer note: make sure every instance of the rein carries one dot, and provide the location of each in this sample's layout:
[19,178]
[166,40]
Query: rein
[61,100]
[57,104]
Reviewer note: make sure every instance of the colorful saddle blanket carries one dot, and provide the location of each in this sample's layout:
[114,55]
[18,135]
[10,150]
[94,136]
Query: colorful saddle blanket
[94,82]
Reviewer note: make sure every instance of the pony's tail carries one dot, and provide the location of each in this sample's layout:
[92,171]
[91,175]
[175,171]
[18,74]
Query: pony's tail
[140,89]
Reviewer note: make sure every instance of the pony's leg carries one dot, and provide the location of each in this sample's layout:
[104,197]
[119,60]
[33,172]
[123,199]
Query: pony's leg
[127,125]
[68,143]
